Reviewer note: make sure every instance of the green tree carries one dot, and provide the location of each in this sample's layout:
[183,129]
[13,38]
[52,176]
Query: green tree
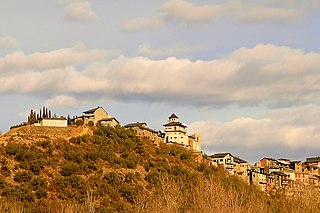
[32,118]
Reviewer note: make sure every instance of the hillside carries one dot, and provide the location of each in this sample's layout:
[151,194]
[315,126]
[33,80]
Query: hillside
[101,169]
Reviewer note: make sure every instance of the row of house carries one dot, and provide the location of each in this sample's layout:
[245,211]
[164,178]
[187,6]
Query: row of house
[174,132]
[284,173]
[271,174]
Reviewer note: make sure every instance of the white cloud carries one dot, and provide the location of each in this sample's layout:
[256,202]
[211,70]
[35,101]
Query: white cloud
[8,42]
[80,10]
[264,74]
[244,11]
[62,101]
[292,129]
[61,58]
[144,23]
[147,50]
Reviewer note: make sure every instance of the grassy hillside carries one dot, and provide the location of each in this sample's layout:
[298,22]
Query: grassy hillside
[111,170]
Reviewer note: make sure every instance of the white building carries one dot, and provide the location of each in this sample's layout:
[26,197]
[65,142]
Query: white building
[54,122]
[175,132]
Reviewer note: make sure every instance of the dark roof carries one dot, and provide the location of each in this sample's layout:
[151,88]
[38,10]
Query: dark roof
[239,160]
[91,110]
[219,155]
[173,116]
[138,124]
[268,158]
[142,126]
[278,173]
[174,124]
[109,119]
[313,160]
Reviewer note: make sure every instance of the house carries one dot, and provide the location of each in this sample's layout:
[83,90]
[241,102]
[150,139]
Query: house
[96,115]
[223,159]
[53,122]
[143,131]
[241,168]
[175,132]
[302,178]
[264,162]
[279,180]
[194,142]
[258,178]
[296,166]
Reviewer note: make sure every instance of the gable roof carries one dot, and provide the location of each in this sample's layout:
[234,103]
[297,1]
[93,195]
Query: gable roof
[313,160]
[220,155]
[238,160]
[267,158]
[91,110]
[278,173]
[109,119]
[137,124]
[173,116]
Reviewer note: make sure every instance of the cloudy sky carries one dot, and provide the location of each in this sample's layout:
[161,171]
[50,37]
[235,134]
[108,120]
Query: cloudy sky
[245,74]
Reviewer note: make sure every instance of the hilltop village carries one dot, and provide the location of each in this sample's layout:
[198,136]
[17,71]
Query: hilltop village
[268,174]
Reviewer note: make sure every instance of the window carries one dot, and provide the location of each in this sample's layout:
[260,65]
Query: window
[221,160]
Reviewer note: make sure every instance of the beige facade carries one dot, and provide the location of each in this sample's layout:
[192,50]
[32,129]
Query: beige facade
[175,132]
[54,122]
[223,159]
[259,179]
[96,115]
[144,132]
[195,142]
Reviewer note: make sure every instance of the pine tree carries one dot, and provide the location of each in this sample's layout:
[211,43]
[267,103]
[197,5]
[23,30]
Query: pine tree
[44,112]
[32,117]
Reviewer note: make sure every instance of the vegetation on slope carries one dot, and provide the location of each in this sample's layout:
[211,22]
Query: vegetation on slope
[114,171]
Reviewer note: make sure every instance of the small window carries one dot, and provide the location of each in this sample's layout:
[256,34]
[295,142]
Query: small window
[221,160]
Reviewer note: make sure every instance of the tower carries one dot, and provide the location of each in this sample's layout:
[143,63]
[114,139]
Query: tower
[175,131]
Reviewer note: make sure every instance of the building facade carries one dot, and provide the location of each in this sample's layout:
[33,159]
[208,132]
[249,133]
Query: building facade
[175,132]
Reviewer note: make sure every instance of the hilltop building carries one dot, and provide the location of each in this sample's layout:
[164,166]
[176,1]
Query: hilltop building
[175,132]
[53,122]
[96,115]
[143,131]
[234,165]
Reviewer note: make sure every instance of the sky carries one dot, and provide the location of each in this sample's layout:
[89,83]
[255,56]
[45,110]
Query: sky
[244,74]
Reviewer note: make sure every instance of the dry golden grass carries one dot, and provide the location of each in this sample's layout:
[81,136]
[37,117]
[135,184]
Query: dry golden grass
[211,196]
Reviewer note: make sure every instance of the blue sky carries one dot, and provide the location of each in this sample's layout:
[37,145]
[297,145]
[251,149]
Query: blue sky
[244,74]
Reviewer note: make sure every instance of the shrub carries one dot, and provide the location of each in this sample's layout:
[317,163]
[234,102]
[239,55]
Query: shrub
[23,176]
[79,122]
[69,168]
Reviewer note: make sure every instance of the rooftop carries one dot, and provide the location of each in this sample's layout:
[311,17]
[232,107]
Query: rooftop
[92,110]
[220,155]
[173,116]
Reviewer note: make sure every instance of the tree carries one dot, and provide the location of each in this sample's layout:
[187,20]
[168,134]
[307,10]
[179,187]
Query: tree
[44,112]
[69,120]
[32,117]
